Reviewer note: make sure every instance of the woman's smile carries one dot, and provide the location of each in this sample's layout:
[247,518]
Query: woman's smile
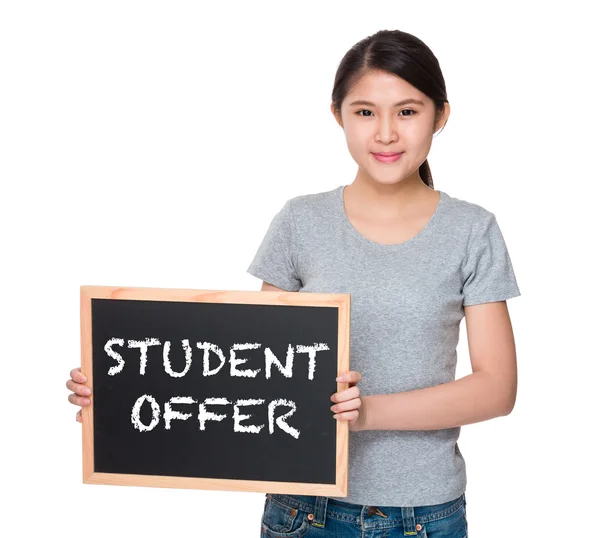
[387,157]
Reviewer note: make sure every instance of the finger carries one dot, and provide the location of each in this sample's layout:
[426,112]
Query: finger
[78,400]
[352,392]
[349,377]
[78,388]
[347,406]
[348,415]
[77,376]
[78,416]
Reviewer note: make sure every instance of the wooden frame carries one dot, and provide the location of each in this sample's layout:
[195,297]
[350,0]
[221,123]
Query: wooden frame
[341,301]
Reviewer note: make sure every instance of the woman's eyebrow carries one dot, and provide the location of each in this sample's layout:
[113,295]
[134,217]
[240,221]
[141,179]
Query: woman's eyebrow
[399,103]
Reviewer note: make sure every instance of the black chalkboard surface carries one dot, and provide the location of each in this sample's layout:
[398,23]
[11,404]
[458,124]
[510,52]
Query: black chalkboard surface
[214,389]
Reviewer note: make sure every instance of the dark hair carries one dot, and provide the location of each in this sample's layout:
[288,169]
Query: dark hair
[398,53]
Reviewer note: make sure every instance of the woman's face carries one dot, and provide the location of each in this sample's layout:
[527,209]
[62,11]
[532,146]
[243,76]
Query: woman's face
[377,116]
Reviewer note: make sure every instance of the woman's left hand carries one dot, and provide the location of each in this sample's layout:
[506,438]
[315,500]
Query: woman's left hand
[348,403]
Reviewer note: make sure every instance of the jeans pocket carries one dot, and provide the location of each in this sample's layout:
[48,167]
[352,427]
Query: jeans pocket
[282,521]
[451,526]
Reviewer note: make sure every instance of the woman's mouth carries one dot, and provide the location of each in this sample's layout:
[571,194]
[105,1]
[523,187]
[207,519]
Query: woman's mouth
[387,157]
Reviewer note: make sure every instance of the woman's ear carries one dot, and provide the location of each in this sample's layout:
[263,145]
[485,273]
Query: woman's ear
[442,118]
[336,116]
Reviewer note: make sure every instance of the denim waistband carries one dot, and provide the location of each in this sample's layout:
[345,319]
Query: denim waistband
[369,516]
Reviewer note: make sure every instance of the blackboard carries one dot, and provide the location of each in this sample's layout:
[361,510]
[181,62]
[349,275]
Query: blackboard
[215,389]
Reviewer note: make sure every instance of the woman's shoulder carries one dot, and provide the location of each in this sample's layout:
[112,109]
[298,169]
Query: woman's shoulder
[475,221]
[469,214]
[314,202]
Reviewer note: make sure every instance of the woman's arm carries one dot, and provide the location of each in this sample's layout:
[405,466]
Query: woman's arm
[269,287]
[490,391]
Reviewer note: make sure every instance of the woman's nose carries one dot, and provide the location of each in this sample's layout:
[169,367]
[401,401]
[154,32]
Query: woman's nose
[386,132]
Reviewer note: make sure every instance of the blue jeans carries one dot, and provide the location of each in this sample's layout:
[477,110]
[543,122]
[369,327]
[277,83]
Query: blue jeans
[294,516]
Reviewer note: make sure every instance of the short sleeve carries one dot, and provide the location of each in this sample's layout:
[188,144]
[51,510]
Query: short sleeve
[488,273]
[275,261]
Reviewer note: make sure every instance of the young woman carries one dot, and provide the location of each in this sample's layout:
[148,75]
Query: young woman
[415,261]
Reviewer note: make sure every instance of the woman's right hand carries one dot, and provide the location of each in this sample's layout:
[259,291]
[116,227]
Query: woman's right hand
[81,394]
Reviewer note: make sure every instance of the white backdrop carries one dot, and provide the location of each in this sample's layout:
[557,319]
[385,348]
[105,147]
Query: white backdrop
[150,144]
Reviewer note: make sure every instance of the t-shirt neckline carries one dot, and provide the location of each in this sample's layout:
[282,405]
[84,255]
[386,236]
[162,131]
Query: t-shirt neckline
[391,246]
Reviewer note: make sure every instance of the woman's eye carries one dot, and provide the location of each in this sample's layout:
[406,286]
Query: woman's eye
[401,112]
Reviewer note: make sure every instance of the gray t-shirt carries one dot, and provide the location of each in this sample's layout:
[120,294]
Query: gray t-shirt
[406,307]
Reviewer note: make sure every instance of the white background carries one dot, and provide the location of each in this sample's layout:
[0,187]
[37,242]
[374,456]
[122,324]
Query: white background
[150,144]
